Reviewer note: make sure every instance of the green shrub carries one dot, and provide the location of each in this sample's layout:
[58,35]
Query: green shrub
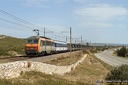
[122,52]
[97,49]
[118,73]
[11,44]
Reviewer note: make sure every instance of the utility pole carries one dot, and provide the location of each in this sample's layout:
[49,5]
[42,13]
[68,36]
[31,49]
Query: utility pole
[81,42]
[66,39]
[70,40]
[46,32]
[75,41]
[70,45]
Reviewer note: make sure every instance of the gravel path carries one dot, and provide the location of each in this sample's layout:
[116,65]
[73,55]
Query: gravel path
[50,57]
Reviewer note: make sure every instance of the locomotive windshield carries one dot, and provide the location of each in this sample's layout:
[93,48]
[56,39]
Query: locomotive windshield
[32,41]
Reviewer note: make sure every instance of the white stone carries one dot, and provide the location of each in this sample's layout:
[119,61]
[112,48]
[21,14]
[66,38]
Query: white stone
[13,69]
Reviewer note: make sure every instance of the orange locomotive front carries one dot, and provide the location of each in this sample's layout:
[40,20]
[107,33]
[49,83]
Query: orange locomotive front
[32,46]
[38,45]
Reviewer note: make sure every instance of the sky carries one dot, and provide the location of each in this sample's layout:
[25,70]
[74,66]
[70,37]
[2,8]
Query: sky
[97,21]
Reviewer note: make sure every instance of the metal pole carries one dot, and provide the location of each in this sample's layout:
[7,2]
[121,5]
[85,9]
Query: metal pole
[44,31]
[81,42]
[70,40]
[66,39]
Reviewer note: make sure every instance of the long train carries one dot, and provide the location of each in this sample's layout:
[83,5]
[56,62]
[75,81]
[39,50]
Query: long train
[38,45]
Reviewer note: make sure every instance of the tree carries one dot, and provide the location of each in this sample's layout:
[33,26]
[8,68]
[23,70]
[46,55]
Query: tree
[87,44]
[118,73]
[122,52]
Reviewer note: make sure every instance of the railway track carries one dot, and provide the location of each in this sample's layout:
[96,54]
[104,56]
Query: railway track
[34,59]
[12,59]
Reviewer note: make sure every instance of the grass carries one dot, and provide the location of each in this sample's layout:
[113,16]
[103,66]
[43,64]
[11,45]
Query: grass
[97,49]
[88,72]
[85,74]
[8,45]
[63,61]
[38,78]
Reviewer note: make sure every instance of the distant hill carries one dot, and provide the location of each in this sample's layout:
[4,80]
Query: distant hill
[106,44]
[11,46]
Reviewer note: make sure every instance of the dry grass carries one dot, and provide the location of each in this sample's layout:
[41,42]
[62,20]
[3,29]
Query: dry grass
[38,78]
[85,74]
[88,72]
[66,60]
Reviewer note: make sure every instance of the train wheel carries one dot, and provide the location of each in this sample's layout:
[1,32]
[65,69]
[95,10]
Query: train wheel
[43,53]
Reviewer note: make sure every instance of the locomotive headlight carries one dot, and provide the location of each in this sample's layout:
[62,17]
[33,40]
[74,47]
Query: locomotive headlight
[31,48]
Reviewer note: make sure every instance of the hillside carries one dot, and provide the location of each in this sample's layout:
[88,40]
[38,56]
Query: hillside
[10,46]
[86,73]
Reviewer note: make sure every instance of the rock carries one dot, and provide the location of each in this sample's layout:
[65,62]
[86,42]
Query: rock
[15,69]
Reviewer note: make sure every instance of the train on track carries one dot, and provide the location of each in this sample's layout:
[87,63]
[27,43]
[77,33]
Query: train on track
[38,45]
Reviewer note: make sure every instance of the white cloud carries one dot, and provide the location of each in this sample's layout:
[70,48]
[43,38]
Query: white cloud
[100,15]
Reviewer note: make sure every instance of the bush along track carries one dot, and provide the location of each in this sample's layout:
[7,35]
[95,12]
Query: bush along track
[10,46]
[118,75]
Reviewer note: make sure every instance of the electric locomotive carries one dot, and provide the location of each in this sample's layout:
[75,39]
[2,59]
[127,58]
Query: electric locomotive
[38,45]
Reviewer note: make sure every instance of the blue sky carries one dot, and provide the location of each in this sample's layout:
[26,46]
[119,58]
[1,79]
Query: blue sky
[98,21]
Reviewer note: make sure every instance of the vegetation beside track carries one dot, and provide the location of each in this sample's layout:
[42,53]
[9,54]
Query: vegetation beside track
[38,78]
[122,52]
[10,46]
[85,74]
[118,75]
[89,71]
[67,60]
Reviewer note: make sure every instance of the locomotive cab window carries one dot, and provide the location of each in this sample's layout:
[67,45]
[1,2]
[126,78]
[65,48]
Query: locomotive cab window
[32,41]
[35,41]
[29,41]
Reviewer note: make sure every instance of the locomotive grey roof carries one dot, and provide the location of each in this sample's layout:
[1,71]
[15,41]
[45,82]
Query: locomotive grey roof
[44,37]
[59,41]
[37,37]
